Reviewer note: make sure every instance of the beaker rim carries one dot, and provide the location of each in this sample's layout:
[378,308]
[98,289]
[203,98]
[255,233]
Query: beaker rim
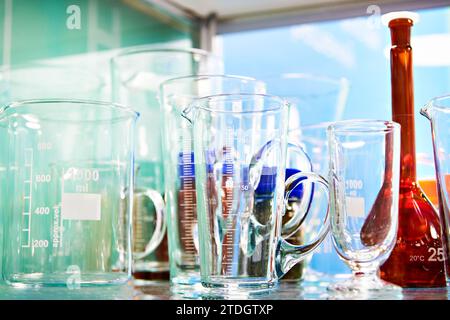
[363,126]
[434,103]
[127,112]
[277,103]
[180,79]
[129,51]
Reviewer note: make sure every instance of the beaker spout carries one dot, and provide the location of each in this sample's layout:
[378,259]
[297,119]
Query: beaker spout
[426,111]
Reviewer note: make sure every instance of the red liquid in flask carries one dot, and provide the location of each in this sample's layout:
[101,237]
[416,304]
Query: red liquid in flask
[417,259]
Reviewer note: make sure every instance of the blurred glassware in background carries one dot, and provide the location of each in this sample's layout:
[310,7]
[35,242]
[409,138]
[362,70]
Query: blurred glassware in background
[69,167]
[364,192]
[427,178]
[438,112]
[136,74]
[56,80]
[315,102]
[179,165]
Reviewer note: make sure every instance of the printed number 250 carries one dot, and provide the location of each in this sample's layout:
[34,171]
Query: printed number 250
[436,254]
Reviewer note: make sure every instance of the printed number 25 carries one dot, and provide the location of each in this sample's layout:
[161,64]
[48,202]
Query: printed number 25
[436,254]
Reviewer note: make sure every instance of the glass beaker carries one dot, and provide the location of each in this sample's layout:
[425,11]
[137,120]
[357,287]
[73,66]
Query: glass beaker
[42,79]
[438,112]
[179,174]
[316,101]
[69,180]
[240,146]
[136,75]
[364,186]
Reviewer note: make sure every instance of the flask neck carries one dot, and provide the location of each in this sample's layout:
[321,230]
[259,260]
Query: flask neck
[403,94]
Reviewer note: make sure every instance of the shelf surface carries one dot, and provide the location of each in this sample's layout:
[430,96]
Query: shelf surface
[161,290]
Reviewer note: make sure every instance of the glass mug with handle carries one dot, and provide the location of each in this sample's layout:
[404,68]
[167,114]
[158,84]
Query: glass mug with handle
[240,147]
[175,95]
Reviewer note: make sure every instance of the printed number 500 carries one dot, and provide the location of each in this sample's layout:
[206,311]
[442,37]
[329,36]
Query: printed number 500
[436,254]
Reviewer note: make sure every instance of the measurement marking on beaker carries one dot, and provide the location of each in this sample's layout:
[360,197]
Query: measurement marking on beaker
[228,245]
[187,203]
[27,198]
[60,213]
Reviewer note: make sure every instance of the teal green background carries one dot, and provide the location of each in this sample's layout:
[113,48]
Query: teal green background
[39,28]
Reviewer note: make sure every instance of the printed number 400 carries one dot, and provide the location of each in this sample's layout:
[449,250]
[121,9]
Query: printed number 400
[436,254]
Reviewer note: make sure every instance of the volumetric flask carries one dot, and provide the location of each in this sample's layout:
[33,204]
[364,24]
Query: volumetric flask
[136,75]
[69,174]
[179,172]
[240,147]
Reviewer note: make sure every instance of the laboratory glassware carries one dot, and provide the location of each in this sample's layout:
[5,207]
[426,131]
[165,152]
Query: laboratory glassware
[438,112]
[137,73]
[179,173]
[240,146]
[42,79]
[414,262]
[68,184]
[364,193]
[316,100]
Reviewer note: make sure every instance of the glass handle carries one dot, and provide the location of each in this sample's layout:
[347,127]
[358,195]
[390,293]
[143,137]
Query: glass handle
[287,254]
[291,226]
[160,228]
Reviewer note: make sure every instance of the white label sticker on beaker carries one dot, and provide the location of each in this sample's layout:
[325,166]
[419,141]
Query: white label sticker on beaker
[355,206]
[81,206]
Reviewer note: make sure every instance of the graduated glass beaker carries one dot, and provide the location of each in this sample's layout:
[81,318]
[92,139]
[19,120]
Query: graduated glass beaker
[137,73]
[438,112]
[240,146]
[69,180]
[41,80]
[179,172]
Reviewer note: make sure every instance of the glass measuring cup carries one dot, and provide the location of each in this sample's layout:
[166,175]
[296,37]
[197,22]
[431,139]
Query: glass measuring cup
[176,94]
[438,112]
[240,145]
[136,75]
[69,177]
